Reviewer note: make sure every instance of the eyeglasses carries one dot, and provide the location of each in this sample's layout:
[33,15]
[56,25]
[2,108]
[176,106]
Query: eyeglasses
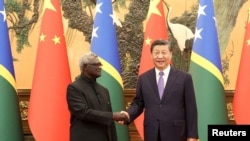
[95,64]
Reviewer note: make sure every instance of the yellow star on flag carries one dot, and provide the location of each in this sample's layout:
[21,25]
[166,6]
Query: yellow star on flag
[248,42]
[148,41]
[48,5]
[56,40]
[42,37]
[153,9]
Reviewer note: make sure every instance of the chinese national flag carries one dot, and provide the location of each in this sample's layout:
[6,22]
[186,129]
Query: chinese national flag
[242,92]
[48,114]
[155,29]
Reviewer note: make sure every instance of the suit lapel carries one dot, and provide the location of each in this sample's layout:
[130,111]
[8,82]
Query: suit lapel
[153,82]
[171,78]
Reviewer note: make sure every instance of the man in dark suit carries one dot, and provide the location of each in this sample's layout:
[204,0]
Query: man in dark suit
[170,115]
[89,104]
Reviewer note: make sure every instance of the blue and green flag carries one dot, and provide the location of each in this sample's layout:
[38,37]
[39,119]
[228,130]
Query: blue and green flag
[206,70]
[104,44]
[10,119]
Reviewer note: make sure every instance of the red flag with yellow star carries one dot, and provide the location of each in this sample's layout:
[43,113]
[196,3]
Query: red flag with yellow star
[155,29]
[242,92]
[48,114]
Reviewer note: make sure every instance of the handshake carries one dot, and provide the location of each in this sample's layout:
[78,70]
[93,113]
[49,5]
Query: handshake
[121,117]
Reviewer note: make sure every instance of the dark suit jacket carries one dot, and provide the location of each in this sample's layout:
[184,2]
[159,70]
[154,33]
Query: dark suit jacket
[175,115]
[91,114]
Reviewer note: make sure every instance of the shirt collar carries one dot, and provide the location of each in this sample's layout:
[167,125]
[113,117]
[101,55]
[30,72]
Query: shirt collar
[166,71]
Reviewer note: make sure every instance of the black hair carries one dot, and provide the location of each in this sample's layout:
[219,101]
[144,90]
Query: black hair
[160,42]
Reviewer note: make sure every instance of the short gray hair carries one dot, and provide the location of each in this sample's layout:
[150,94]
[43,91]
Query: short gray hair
[84,59]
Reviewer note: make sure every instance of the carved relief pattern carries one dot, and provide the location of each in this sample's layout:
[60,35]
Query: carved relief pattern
[230,111]
[24,109]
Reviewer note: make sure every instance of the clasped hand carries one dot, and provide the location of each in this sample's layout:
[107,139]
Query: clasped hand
[120,117]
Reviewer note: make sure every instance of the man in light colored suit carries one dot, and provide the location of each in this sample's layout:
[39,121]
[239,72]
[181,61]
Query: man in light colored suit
[172,115]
